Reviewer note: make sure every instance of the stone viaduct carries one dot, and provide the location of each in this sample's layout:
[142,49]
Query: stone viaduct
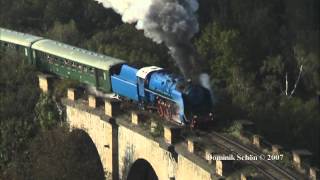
[124,144]
[121,143]
[129,148]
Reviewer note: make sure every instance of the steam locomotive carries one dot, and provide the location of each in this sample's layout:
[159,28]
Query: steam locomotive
[173,98]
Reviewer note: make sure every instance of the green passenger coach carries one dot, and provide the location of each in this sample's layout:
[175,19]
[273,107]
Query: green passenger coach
[75,63]
[20,42]
[61,59]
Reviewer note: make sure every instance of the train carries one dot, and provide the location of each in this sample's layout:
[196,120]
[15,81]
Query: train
[172,97]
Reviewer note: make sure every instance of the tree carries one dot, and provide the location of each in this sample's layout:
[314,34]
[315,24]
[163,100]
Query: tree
[46,112]
[65,156]
[125,42]
[220,47]
[65,33]
[18,96]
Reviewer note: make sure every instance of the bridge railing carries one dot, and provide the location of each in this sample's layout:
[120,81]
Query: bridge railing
[297,160]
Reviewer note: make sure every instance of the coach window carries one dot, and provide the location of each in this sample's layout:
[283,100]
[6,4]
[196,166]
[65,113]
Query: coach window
[79,67]
[84,69]
[50,60]
[11,46]
[91,70]
[69,64]
[59,60]
[42,56]
[55,60]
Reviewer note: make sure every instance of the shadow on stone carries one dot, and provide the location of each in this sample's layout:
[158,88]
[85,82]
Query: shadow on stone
[142,170]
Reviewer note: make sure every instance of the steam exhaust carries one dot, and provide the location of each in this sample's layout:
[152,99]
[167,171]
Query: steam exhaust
[172,22]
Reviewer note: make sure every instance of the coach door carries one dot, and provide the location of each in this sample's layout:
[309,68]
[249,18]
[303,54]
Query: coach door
[102,80]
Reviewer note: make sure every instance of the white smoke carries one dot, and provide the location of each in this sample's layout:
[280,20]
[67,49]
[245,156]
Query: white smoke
[94,91]
[172,22]
[130,10]
[204,79]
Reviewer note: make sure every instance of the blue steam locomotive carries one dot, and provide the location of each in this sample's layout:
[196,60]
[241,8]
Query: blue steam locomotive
[173,98]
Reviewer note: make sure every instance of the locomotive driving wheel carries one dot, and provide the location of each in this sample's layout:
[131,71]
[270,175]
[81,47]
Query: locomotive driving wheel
[165,108]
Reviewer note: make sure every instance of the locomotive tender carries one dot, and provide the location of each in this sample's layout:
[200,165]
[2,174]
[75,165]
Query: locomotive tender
[175,99]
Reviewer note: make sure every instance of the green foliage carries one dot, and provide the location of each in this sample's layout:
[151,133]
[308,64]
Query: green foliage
[235,129]
[272,70]
[58,154]
[287,160]
[219,47]
[251,46]
[125,42]
[18,96]
[60,87]
[46,112]
[65,156]
[291,118]
[157,130]
[65,32]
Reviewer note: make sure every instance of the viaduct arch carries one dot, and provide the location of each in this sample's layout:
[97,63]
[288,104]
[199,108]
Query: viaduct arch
[89,152]
[141,169]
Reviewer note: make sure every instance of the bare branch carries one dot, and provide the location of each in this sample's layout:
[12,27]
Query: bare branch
[297,81]
[286,92]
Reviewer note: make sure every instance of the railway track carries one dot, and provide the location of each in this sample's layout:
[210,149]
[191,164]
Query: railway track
[267,168]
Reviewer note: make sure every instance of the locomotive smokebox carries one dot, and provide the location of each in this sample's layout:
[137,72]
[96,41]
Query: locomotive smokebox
[197,100]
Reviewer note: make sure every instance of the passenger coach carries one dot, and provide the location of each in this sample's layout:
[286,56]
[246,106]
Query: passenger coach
[75,63]
[21,42]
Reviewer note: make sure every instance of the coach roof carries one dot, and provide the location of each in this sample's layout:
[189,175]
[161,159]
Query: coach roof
[17,37]
[75,54]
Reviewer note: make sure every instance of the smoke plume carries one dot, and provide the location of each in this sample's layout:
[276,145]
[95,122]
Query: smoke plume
[94,91]
[172,22]
[204,79]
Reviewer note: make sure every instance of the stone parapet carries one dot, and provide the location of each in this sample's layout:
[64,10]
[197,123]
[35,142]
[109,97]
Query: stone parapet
[313,173]
[136,118]
[256,140]
[192,145]
[111,107]
[72,94]
[153,126]
[297,157]
[219,168]
[208,155]
[276,149]
[92,101]
[171,134]
[45,82]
